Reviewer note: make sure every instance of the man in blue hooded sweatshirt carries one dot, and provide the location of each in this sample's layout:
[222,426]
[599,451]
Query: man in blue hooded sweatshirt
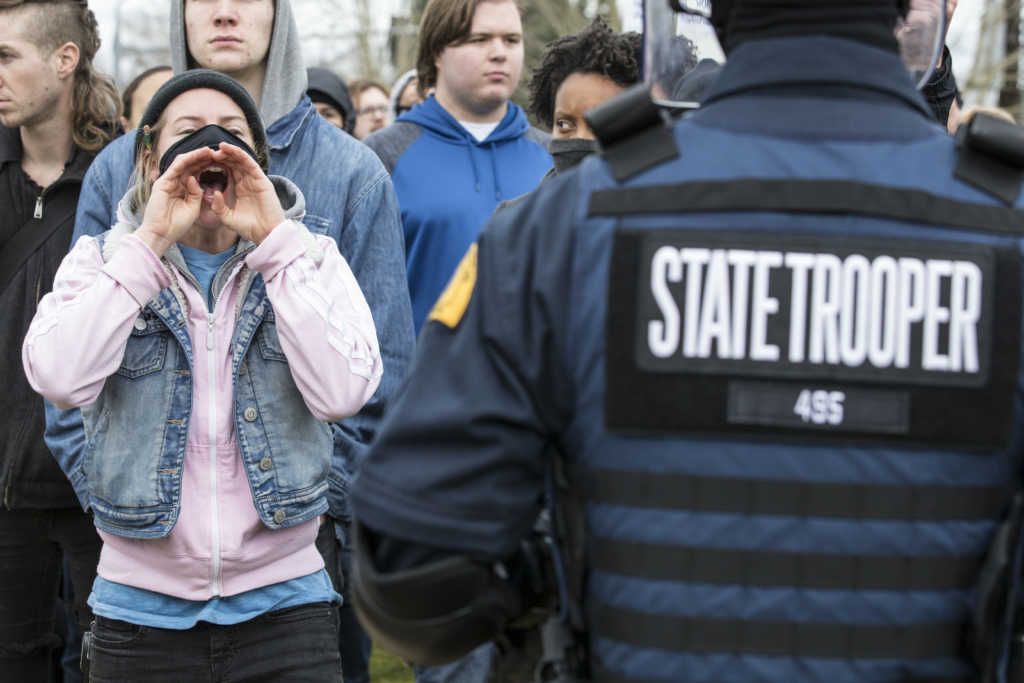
[454,156]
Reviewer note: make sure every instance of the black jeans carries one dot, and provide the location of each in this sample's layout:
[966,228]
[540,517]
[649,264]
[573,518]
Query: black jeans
[293,644]
[31,546]
[354,643]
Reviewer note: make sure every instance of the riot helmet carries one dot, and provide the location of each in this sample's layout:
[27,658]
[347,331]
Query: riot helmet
[686,41]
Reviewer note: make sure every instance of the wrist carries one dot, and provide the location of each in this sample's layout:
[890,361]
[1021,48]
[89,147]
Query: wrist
[261,234]
[157,243]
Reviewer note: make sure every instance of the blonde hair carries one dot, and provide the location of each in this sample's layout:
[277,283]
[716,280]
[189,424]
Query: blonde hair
[141,185]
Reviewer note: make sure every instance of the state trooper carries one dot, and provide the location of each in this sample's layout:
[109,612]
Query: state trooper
[760,366]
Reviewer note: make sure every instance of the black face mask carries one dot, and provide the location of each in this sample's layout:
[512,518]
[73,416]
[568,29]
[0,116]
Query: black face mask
[568,152]
[208,136]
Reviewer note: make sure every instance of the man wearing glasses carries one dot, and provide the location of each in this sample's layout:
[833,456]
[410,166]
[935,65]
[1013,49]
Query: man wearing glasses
[56,113]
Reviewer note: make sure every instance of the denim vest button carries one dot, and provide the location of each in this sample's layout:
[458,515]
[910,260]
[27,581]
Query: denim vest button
[140,324]
[279,516]
[265,464]
[243,368]
[250,414]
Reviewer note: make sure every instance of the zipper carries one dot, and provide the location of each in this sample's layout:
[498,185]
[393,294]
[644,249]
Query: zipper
[39,206]
[211,375]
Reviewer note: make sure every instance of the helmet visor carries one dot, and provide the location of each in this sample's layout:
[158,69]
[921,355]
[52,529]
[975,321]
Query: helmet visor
[681,51]
[922,35]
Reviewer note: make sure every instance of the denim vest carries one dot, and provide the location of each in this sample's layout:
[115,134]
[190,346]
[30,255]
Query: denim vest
[349,197]
[136,431]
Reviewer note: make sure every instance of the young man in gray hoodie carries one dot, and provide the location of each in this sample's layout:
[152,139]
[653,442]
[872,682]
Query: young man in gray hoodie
[349,196]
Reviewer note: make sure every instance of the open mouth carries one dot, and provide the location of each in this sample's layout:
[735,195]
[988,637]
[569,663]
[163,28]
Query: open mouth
[213,178]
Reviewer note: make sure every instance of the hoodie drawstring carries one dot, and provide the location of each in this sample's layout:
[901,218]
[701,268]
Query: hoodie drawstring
[494,169]
[493,147]
[472,161]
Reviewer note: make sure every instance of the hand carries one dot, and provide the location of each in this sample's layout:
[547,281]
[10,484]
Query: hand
[174,201]
[256,210]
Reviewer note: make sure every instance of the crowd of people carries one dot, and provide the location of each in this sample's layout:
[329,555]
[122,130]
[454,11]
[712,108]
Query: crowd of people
[243,293]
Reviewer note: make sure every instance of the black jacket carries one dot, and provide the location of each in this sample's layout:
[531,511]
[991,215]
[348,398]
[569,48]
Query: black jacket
[29,475]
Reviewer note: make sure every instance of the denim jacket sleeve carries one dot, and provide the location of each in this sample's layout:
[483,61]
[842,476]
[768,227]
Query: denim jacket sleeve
[104,184]
[372,242]
[65,437]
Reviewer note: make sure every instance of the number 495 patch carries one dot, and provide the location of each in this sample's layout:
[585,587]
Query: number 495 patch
[820,407]
[802,408]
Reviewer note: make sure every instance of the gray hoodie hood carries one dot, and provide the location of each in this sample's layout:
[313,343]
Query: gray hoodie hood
[396,91]
[285,80]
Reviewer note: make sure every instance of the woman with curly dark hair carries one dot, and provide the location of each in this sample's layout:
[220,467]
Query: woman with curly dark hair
[579,72]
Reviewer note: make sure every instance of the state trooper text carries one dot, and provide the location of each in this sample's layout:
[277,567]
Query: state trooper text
[852,311]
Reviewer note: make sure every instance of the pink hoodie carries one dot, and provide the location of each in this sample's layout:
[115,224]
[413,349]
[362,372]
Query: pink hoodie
[219,546]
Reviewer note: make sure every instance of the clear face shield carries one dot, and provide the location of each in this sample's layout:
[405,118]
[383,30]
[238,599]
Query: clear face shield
[682,53]
[922,36]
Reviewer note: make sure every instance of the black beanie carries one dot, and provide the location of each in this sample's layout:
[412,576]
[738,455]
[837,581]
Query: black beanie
[327,87]
[867,21]
[204,78]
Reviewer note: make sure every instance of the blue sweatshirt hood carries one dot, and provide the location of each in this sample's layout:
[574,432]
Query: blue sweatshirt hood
[434,118]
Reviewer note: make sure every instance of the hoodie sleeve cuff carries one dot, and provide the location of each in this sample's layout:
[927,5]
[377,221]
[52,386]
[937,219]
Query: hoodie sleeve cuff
[136,268]
[285,243]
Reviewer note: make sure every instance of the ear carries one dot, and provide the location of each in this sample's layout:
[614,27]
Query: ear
[66,59]
[151,163]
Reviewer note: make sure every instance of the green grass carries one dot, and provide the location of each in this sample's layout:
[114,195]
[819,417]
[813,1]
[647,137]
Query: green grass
[387,668]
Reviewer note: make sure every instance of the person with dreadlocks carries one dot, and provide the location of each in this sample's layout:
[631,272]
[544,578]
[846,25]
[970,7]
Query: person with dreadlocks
[56,113]
[577,73]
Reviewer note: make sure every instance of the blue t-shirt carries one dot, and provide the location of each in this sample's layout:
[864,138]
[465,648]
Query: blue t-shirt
[204,266]
[147,608]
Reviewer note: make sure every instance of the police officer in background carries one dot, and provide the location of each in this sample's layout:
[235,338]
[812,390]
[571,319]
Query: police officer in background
[764,363]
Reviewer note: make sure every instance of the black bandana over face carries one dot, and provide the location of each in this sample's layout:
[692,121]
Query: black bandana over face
[568,152]
[208,136]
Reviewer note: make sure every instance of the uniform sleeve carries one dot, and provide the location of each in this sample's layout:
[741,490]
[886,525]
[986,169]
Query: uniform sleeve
[78,336]
[460,460]
[323,320]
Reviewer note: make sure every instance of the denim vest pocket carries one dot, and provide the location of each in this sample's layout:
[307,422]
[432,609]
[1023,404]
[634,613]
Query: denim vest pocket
[147,347]
[267,341]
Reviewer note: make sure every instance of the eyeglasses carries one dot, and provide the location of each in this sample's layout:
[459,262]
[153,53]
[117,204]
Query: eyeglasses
[377,109]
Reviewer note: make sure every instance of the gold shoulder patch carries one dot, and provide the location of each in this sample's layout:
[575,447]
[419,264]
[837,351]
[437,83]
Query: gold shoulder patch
[451,306]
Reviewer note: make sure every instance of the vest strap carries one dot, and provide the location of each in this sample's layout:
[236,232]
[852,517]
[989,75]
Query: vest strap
[838,197]
[791,498]
[821,571]
[779,638]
